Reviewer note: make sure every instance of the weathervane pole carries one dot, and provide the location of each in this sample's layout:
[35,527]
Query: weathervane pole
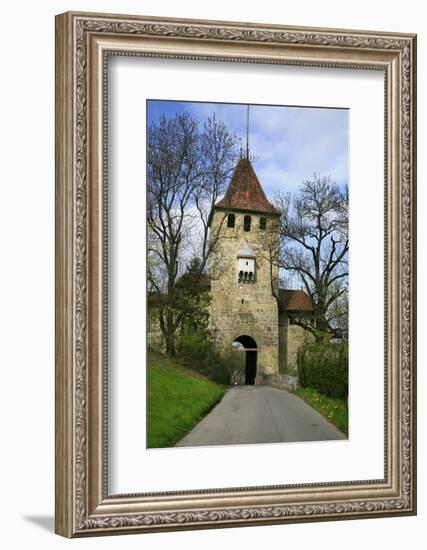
[247,132]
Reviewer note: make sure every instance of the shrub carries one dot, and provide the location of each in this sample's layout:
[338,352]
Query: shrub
[324,367]
[197,352]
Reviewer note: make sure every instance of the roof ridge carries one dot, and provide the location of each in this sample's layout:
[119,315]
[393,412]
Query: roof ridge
[291,299]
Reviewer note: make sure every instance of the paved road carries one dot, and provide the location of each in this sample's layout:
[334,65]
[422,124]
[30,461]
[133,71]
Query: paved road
[260,414]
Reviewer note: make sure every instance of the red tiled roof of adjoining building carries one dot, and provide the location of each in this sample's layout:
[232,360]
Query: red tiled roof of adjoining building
[244,191]
[294,300]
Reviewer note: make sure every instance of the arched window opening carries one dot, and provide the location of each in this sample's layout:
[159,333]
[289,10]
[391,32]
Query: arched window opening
[231,220]
[247,223]
[263,223]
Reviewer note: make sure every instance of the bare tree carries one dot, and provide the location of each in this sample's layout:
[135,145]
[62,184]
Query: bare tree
[173,172]
[219,154]
[187,170]
[338,310]
[314,246]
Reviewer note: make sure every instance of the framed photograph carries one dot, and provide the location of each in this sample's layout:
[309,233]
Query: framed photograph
[235,274]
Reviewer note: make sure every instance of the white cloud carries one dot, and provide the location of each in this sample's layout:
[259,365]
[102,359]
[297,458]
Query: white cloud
[289,143]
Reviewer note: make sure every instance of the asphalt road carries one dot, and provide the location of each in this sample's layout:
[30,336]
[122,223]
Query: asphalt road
[260,414]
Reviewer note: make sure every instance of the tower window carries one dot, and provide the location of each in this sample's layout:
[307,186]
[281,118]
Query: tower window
[231,220]
[246,265]
[263,223]
[247,223]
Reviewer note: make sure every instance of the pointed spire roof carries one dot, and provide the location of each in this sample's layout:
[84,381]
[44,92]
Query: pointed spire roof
[245,192]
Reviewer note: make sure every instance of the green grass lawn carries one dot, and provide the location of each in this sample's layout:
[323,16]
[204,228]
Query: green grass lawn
[177,399]
[334,410]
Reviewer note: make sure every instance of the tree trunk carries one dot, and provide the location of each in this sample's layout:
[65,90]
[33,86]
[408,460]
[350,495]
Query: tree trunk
[168,328]
[170,344]
[322,328]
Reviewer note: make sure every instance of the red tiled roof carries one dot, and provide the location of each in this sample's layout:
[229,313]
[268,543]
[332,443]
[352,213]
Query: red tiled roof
[294,300]
[245,192]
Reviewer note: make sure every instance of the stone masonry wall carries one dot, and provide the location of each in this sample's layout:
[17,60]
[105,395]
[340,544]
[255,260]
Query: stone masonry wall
[155,339]
[291,338]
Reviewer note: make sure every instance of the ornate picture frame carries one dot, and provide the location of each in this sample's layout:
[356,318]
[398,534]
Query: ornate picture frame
[84,42]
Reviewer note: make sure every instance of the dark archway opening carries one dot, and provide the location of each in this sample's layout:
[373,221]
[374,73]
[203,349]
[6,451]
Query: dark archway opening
[251,350]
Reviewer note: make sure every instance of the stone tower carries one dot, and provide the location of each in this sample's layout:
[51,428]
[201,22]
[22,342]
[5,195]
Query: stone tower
[244,280]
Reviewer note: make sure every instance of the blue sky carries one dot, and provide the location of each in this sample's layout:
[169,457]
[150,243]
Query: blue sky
[289,143]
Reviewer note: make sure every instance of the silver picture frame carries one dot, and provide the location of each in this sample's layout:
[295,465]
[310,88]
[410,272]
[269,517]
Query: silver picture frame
[84,41]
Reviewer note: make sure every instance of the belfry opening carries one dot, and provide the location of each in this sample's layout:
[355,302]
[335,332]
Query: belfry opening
[249,347]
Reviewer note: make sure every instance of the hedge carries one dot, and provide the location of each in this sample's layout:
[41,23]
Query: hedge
[324,367]
[197,352]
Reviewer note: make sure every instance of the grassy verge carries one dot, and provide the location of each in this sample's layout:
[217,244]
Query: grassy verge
[334,410]
[177,399]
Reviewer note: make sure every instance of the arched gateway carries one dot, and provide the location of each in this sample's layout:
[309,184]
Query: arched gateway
[250,349]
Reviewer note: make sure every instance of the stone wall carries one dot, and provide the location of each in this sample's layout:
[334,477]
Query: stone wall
[281,381]
[155,339]
[291,338]
[244,308]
